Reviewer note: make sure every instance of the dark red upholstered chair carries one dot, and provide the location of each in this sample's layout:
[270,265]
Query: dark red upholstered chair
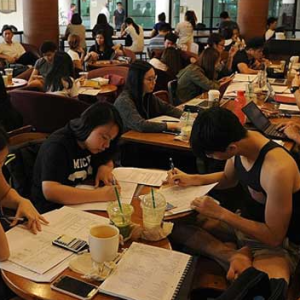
[46,112]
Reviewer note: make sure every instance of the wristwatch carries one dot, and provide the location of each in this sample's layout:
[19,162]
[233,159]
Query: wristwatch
[293,89]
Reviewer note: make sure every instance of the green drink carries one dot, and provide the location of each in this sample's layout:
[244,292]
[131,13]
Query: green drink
[119,219]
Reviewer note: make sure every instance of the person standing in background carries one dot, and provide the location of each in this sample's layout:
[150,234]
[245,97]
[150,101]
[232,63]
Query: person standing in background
[105,11]
[119,16]
[71,12]
[271,26]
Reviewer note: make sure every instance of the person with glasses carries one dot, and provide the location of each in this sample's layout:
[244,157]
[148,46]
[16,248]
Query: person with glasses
[9,198]
[82,150]
[136,104]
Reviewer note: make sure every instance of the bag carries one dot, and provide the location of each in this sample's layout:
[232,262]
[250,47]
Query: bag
[19,165]
[253,283]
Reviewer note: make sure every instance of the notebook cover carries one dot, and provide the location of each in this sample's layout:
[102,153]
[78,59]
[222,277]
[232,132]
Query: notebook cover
[284,99]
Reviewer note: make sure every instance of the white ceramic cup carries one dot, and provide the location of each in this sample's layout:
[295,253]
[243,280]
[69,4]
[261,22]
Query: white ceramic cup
[5,80]
[103,243]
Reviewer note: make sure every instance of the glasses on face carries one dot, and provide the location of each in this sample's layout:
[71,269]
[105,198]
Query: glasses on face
[151,79]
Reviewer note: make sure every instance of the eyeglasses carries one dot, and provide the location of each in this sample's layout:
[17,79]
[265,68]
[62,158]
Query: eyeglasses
[151,79]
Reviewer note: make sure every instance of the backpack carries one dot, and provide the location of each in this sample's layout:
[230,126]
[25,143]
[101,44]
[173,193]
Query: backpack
[19,165]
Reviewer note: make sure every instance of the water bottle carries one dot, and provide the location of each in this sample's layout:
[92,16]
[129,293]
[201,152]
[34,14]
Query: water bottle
[239,103]
[186,123]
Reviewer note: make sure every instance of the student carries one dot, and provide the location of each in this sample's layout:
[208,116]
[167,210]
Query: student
[10,118]
[101,50]
[157,42]
[271,26]
[11,199]
[196,78]
[60,80]
[217,41]
[43,65]
[77,28]
[14,52]
[136,104]
[136,33]
[250,60]
[268,224]
[161,22]
[119,16]
[83,149]
[185,30]
[103,25]
[76,52]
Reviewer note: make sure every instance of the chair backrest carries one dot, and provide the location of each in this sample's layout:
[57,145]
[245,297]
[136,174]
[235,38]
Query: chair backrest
[101,72]
[163,95]
[162,80]
[172,89]
[129,53]
[46,112]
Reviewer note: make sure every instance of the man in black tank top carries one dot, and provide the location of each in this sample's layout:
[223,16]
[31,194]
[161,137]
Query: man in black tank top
[267,231]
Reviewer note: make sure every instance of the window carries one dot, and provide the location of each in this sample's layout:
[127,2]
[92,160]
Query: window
[143,12]
[8,6]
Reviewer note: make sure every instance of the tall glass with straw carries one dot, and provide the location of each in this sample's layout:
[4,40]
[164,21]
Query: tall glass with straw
[153,207]
[120,214]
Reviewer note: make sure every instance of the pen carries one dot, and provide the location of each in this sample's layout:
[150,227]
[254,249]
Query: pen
[12,218]
[172,166]
[171,121]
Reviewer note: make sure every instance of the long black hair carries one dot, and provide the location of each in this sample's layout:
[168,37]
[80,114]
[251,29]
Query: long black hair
[106,43]
[190,17]
[129,21]
[99,114]
[101,19]
[135,82]
[207,61]
[62,68]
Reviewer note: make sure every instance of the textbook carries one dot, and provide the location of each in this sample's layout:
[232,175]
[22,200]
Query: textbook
[150,273]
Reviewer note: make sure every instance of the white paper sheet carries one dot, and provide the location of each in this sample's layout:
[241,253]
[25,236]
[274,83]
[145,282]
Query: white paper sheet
[127,192]
[181,197]
[289,107]
[163,118]
[89,92]
[234,87]
[36,252]
[281,89]
[244,78]
[140,176]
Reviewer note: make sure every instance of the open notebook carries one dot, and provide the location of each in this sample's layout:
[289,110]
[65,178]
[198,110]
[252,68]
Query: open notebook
[149,273]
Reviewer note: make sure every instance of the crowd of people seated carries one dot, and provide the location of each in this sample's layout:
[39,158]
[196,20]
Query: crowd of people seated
[265,232]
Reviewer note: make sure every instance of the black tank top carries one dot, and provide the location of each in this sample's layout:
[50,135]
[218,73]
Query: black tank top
[254,210]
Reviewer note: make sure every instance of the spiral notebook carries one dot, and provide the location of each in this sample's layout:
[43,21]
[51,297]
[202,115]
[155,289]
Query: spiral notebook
[150,273]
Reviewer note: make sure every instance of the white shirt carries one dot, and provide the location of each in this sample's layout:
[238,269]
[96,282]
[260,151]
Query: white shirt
[73,54]
[14,49]
[186,33]
[137,39]
[157,64]
[105,11]
[269,33]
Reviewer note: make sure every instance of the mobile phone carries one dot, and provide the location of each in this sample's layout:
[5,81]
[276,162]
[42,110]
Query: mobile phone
[75,287]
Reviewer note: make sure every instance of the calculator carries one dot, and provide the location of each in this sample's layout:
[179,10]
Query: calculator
[70,243]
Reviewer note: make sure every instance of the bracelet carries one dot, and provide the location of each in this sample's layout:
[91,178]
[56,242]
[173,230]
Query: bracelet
[293,89]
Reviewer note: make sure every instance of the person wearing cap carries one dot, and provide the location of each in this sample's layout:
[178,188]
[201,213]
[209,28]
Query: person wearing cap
[13,52]
[250,60]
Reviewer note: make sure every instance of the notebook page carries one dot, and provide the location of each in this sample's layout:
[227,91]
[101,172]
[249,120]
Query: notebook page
[163,119]
[148,273]
[141,176]
[181,197]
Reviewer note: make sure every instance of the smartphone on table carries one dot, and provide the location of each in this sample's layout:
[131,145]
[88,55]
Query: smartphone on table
[75,287]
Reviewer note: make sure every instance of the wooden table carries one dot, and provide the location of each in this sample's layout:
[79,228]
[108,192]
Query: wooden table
[106,63]
[30,290]
[17,83]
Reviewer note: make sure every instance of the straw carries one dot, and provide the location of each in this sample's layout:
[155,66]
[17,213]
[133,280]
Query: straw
[153,199]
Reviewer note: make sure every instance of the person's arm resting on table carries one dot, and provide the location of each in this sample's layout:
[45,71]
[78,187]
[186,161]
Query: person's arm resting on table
[244,69]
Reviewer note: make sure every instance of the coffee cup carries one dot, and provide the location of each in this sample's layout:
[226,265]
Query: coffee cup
[213,98]
[103,243]
[9,74]
[83,77]
[5,80]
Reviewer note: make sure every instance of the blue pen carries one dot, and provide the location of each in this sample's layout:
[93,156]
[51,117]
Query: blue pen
[172,167]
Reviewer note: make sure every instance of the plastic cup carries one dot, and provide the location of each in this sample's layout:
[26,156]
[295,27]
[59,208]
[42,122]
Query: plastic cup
[153,216]
[5,80]
[213,98]
[84,77]
[119,219]
[9,74]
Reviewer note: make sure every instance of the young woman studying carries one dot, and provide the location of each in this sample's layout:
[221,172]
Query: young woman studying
[83,149]
[136,104]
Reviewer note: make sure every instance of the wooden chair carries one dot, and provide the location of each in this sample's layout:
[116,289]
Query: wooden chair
[130,54]
[46,112]
[117,70]
[163,95]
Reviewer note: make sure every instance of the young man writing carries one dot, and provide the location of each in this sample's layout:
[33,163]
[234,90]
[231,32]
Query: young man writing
[268,225]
